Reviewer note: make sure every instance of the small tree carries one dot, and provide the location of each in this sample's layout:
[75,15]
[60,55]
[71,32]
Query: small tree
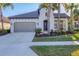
[2,7]
[70,7]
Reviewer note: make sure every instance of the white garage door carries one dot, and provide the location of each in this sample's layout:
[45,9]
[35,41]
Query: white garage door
[24,27]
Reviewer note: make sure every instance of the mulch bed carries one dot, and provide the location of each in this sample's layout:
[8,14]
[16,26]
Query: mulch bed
[3,33]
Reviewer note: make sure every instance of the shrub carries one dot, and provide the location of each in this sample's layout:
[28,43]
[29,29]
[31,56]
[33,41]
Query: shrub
[51,32]
[7,31]
[0,30]
[75,53]
[76,30]
[38,30]
[69,32]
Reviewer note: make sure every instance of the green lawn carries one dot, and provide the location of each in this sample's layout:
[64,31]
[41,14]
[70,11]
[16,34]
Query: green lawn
[57,38]
[55,50]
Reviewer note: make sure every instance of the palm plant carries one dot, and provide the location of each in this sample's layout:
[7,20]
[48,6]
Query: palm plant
[70,7]
[76,13]
[2,7]
[50,6]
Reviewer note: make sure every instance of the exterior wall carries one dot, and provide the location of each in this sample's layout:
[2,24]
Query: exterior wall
[6,25]
[23,20]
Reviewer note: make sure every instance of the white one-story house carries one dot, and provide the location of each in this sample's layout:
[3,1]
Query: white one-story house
[28,22]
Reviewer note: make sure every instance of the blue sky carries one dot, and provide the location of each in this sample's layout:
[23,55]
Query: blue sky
[20,8]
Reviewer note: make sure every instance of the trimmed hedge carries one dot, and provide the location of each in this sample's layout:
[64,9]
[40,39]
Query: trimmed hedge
[5,31]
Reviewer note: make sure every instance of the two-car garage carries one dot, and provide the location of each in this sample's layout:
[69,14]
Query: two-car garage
[25,22]
[24,26]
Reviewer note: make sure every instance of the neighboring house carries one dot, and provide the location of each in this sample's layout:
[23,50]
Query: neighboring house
[6,23]
[28,22]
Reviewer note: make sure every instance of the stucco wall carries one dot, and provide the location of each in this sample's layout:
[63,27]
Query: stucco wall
[42,17]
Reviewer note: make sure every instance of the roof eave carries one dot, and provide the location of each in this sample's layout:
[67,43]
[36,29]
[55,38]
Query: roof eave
[23,17]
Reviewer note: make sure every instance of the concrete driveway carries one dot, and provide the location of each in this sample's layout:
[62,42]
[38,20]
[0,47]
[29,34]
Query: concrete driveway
[15,44]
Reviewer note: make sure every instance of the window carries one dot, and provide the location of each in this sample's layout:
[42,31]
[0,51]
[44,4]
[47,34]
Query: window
[46,14]
[37,23]
[60,24]
[55,24]
[46,9]
[77,24]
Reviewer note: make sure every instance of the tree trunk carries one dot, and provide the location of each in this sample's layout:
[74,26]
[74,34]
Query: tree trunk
[1,19]
[71,22]
[48,17]
[59,18]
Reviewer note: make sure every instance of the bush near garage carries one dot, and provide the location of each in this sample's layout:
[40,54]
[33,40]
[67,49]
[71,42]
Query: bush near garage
[38,31]
[6,31]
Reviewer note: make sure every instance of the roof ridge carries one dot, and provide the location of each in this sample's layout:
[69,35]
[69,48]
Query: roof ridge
[23,13]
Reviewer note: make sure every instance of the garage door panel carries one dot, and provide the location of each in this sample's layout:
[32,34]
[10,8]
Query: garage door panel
[24,27]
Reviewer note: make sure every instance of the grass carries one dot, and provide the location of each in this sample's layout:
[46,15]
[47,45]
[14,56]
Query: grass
[55,50]
[57,38]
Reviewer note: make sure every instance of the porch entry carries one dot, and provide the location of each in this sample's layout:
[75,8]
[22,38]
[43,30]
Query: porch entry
[61,25]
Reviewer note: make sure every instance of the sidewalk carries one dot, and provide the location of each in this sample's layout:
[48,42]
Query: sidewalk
[52,43]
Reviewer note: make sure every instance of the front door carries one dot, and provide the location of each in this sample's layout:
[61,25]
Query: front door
[45,25]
